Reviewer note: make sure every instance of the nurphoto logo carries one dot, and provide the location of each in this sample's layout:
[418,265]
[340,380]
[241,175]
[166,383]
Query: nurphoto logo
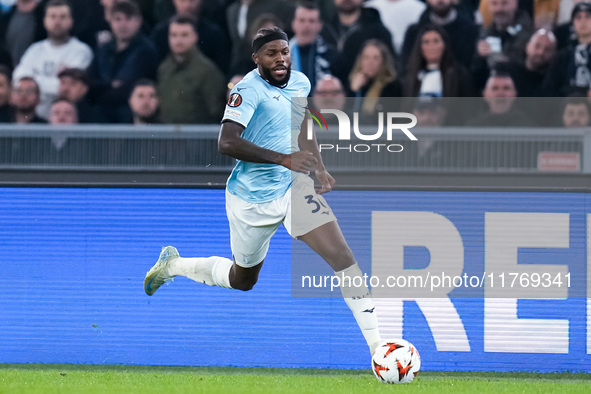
[388,121]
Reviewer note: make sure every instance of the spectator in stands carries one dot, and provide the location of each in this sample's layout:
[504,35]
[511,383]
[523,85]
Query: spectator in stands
[191,87]
[24,98]
[240,18]
[373,76]
[397,16]
[21,26]
[500,94]
[458,25]
[243,64]
[506,37]
[565,31]
[144,103]
[485,13]
[5,108]
[103,34]
[565,36]
[329,94]
[309,53]
[349,31]
[74,85]
[432,69]
[121,62]
[212,42]
[576,112]
[529,76]
[88,23]
[63,111]
[430,112]
[44,59]
[212,10]
[571,69]
[539,53]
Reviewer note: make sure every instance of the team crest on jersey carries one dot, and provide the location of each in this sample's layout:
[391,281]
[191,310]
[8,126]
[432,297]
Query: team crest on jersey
[234,100]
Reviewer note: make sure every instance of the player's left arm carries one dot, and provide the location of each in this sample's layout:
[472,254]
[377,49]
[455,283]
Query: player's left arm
[311,145]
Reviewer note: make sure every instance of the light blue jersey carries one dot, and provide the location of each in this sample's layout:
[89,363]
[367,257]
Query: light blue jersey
[266,113]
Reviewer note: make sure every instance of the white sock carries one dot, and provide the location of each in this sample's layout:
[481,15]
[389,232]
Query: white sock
[212,271]
[359,301]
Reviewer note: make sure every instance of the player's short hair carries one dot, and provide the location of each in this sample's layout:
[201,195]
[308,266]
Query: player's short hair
[266,35]
[76,74]
[4,70]
[58,3]
[184,20]
[129,8]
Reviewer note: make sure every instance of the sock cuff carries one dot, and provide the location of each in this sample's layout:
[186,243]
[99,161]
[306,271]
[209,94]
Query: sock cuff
[351,271]
[352,282]
[221,272]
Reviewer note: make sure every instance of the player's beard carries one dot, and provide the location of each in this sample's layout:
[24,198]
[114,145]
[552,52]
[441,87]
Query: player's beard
[268,76]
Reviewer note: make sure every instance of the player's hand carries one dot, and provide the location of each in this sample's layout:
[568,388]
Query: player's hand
[302,161]
[326,180]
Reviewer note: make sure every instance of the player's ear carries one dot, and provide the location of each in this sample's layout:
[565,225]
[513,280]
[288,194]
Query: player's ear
[255,58]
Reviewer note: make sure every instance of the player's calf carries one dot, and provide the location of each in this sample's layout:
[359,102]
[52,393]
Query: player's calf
[244,279]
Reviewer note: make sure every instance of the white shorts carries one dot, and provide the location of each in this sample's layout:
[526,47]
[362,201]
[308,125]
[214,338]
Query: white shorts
[252,225]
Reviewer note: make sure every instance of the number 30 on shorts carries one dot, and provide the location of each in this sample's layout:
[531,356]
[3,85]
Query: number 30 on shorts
[316,202]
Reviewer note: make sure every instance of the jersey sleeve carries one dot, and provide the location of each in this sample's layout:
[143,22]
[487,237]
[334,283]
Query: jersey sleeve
[241,104]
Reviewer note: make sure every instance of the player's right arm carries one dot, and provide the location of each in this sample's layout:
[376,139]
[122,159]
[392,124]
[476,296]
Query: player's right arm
[231,143]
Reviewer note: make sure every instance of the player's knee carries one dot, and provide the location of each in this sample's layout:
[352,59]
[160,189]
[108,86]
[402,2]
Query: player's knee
[343,255]
[342,258]
[244,284]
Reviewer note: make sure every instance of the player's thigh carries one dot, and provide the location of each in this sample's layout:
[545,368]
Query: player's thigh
[328,241]
[312,221]
[251,228]
[306,209]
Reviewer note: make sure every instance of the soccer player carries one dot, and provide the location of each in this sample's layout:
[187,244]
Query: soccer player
[270,181]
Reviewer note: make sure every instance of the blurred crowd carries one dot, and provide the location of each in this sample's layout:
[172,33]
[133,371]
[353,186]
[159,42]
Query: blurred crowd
[174,61]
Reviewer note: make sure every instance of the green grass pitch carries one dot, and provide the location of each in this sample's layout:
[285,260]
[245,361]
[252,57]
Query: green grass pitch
[80,379]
